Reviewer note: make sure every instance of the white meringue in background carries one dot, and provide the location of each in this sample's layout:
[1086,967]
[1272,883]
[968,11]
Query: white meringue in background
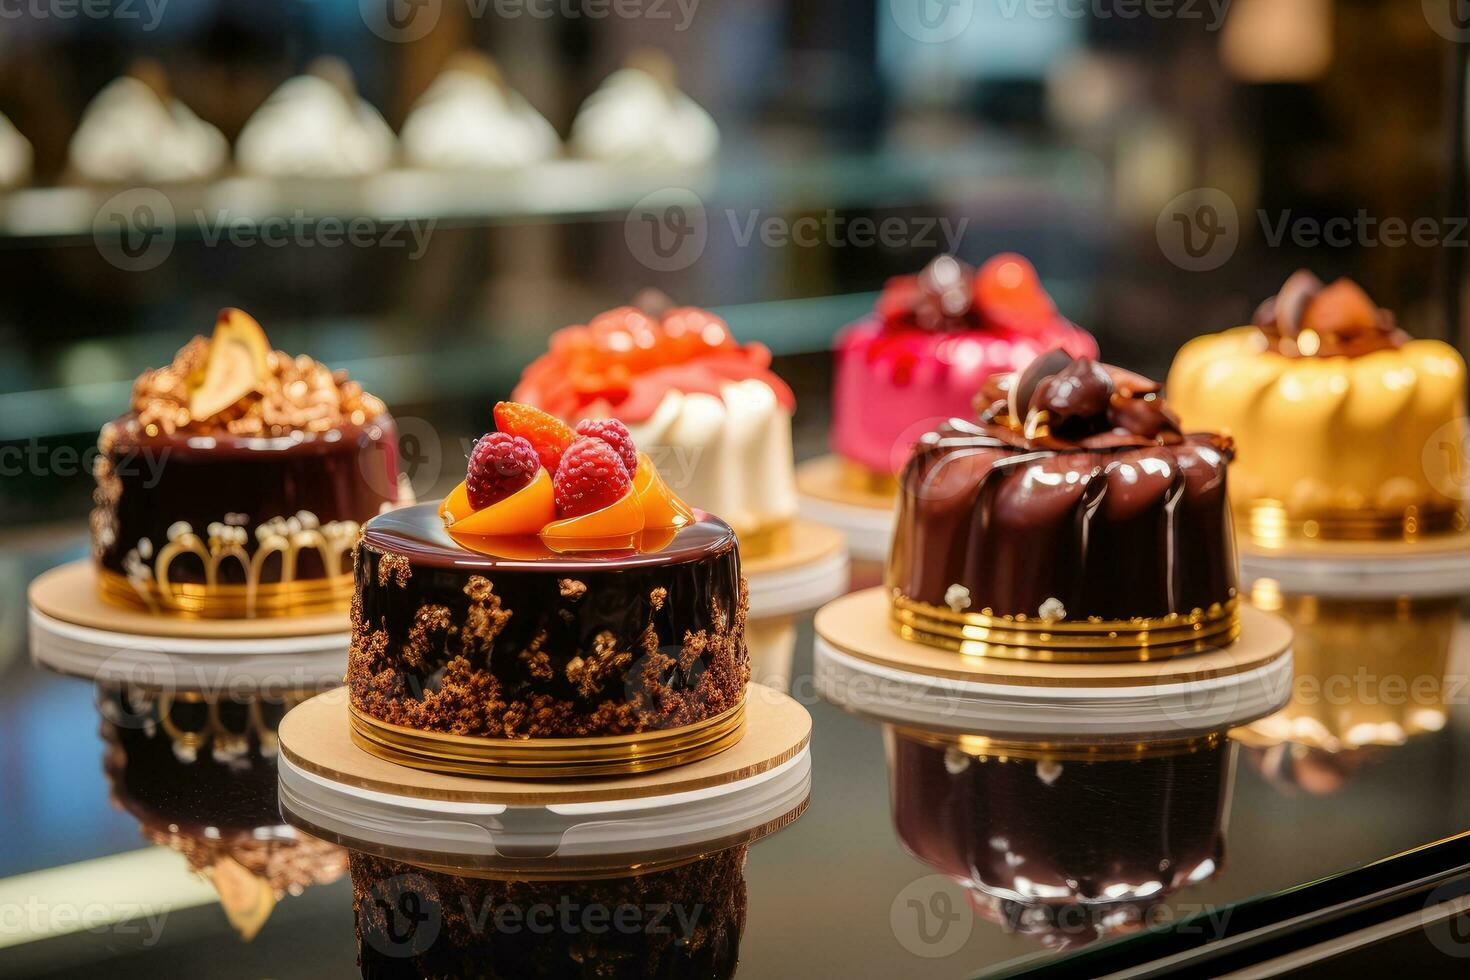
[637,117]
[315,125]
[15,155]
[131,131]
[468,120]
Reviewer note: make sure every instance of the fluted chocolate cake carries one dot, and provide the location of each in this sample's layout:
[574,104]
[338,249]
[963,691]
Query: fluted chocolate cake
[1072,520]
[236,484]
[528,605]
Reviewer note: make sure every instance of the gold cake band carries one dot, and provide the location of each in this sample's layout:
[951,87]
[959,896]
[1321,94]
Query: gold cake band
[1268,524]
[531,758]
[192,600]
[1067,641]
[986,747]
[764,539]
[860,479]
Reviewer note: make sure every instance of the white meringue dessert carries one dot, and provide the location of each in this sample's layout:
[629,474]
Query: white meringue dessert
[134,130]
[469,119]
[639,116]
[316,125]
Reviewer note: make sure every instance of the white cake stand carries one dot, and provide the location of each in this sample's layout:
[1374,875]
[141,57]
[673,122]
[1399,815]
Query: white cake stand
[333,789]
[810,568]
[74,631]
[865,519]
[1436,565]
[863,665]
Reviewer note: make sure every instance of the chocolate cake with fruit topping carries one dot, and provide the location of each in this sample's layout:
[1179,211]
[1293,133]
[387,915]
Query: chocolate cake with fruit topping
[526,605]
[1074,519]
[236,484]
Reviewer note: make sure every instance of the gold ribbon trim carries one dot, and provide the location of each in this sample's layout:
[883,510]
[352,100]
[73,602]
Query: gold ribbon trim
[985,747]
[1268,524]
[1066,641]
[609,755]
[187,600]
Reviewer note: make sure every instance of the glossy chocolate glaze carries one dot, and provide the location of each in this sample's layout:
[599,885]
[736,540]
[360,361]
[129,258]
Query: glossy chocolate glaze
[669,627]
[686,922]
[1022,830]
[1114,533]
[347,474]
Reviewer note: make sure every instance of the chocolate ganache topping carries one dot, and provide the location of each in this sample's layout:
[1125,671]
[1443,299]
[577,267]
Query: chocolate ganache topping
[1064,403]
[1075,497]
[1309,319]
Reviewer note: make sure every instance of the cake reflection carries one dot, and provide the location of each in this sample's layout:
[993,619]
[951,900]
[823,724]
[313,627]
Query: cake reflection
[1370,674]
[1064,842]
[669,919]
[198,772]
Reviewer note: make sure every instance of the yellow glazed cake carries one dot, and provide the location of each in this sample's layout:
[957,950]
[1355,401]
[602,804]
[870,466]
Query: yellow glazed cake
[1344,427]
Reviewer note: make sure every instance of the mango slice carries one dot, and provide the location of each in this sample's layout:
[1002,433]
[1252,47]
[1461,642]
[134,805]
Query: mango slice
[662,508]
[526,511]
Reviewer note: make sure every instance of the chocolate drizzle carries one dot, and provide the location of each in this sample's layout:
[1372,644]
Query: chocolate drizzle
[1308,319]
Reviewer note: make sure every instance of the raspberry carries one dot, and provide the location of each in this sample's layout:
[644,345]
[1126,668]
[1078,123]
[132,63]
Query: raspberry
[591,476]
[548,434]
[616,435]
[499,466]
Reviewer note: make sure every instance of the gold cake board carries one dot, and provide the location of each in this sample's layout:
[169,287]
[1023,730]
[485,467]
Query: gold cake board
[828,496]
[864,665]
[75,631]
[808,569]
[1433,565]
[316,737]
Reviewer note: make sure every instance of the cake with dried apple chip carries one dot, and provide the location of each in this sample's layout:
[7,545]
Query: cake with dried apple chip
[236,484]
[561,591]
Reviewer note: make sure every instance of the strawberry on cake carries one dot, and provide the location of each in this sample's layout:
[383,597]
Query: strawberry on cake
[562,590]
[930,344]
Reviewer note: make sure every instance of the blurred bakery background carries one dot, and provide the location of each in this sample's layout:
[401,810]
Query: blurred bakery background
[420,191]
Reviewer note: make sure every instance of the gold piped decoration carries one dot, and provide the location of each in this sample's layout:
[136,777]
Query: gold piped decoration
[537,758]
[301,597]
[1267,524]
[982,634]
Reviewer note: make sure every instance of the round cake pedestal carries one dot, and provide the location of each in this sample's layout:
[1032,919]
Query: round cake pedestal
[75,632]
[863,665]
[865,519]
[1438,565]
[335,790]
[809,570]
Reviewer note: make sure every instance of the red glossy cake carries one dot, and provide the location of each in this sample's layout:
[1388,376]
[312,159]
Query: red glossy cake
[932,341]
[1073,519]
[561,591]
[237,483]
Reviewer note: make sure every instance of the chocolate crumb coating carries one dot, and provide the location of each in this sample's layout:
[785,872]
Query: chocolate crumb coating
[684,921]
[570,646]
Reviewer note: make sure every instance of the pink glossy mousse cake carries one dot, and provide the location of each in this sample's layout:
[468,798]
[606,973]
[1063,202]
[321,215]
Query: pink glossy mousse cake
[929,345]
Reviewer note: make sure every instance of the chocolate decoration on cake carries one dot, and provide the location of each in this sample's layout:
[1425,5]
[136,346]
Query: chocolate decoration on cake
[1090,527]
[1309,319]
[1014,823]
[238,481]
[683,921]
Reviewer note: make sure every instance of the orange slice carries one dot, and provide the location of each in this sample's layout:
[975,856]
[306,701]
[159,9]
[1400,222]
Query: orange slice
[526,511]
[662,508]
[237,364]
[614,527]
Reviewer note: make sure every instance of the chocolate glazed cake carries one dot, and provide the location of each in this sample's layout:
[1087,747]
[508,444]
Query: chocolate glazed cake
[684,921]
[452,640]
[237,483]
[1016,825]
[1073,521]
